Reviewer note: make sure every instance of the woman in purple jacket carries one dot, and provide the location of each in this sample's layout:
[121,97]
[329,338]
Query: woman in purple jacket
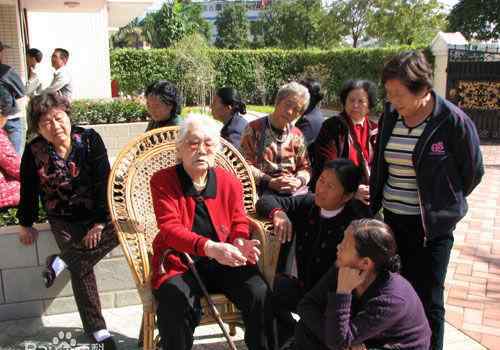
[362,303]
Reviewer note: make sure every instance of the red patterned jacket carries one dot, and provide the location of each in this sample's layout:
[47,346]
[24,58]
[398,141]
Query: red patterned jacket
[175,214]
[9,172]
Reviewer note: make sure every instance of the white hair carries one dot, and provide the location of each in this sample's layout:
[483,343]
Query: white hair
[293,89]
[207,125]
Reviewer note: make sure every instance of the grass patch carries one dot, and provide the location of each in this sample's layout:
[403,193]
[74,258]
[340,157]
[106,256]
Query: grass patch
[206,110]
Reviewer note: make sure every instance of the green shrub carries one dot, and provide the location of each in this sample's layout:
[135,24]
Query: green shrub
[8,216]
[257,74]
[107,111]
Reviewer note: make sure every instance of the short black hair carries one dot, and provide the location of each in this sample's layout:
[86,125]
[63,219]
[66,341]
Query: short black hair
[37,54]
[315,93]
[347,172]
[63,53]
[230,97]
[411,68]
[41,104]
[367,85]
[167,92]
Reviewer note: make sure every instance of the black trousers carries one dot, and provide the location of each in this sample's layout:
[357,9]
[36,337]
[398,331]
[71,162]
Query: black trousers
[81,261]
[179,310]
[287,293]
[424,267]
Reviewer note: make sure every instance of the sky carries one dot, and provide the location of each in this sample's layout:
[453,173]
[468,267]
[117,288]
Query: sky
[449,4]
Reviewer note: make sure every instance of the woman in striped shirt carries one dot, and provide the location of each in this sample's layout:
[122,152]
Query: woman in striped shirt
[427,161]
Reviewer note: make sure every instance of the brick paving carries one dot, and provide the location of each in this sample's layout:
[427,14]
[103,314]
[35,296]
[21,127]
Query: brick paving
[473,280]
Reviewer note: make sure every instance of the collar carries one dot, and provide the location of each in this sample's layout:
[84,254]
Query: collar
[328,214]
[188,187]
[361,123]
[63,68]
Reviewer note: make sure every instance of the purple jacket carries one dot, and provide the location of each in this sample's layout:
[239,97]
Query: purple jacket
[388,315]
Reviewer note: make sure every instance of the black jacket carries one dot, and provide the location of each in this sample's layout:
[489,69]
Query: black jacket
[11,80]
[310,124]
[316,237]
[448,164]
[233,129]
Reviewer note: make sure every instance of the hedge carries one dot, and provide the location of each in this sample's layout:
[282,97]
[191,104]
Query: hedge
[257,74]
[107,111]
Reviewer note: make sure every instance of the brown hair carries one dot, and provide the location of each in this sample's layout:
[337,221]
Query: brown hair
[41,104]
[375,240]
[411,68]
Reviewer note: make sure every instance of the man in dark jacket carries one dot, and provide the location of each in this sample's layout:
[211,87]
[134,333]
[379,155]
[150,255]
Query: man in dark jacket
[11,80]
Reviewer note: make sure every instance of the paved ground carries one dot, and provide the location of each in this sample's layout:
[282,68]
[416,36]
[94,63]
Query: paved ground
[41,334]
[473,280]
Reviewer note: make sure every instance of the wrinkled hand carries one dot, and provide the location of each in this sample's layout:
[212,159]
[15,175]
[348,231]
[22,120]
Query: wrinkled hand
[282,226]
[248,247]
[287,184]
[350,278]
[225,253]
[28,235]
[93,237]
[363,194]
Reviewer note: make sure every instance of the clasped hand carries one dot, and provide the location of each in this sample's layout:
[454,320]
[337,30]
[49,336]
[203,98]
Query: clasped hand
[236,254]
[287,184]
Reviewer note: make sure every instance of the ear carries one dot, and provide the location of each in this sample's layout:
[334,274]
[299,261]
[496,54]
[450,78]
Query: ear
[366,264]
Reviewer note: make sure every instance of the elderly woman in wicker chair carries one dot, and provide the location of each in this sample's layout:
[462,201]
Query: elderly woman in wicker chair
[199,211]
[67,167]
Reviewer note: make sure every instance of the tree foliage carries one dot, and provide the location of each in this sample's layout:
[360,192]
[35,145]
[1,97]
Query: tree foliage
[172,22]
[292,24]
[354,16]
[406,22]
[476,19]
[130,35]
[232,27]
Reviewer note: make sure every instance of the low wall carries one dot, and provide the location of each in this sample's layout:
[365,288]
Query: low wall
[116,136]
[23,294]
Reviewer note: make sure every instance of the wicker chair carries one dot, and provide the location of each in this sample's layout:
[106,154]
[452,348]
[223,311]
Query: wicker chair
[132,212]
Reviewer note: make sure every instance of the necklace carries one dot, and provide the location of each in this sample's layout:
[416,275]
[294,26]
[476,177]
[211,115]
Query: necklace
[276,137]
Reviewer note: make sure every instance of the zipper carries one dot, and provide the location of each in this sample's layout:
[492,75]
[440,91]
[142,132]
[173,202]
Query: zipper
[422,211]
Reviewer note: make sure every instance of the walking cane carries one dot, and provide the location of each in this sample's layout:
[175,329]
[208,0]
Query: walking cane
[211,304]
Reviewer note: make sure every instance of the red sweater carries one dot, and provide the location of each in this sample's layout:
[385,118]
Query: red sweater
[9,172]
[175,215]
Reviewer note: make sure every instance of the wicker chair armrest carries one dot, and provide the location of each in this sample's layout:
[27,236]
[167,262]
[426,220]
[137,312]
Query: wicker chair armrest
[262,230]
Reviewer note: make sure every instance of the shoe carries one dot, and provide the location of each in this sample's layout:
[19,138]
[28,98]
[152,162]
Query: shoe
[289,344]
[107,344]
[48,274]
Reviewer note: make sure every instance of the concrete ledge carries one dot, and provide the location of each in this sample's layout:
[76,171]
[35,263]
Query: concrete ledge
[22,293]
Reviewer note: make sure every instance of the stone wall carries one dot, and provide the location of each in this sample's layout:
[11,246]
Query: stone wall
[23,294]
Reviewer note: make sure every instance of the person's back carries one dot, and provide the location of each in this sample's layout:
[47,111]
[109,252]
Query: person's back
[409,324]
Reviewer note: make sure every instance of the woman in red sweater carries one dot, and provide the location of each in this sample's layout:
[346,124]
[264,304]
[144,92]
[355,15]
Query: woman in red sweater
[9,159]
[199,210]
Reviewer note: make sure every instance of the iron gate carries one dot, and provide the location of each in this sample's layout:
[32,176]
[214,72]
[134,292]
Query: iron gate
[473,84]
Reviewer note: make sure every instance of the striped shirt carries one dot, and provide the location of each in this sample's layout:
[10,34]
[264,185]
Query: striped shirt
[400,190]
